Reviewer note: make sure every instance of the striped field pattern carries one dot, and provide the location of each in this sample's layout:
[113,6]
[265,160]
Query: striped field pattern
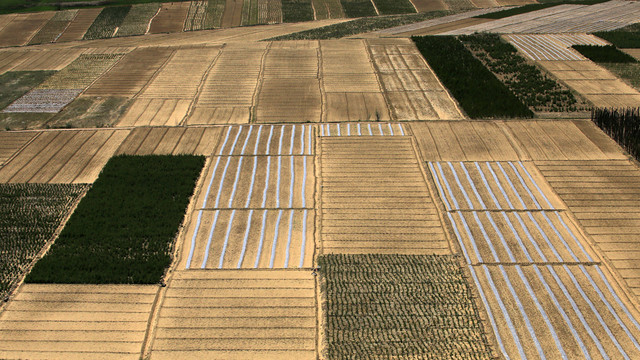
[553,46]
[256,209]
[366,129]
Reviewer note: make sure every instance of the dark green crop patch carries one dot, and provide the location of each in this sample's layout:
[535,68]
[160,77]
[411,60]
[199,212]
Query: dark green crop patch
[393,7]
[105,24]
[123,231]
[358,8]
[478,91]
[604,54]
[297,10]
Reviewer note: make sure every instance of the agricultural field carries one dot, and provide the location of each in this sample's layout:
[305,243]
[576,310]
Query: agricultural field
[89,112]
[52,59]
[31,214]
[52,30]
[620,125]
[170,18]
[23,27]
[387,305]
[135,208]
[623,65]
[137,20]
[80,24]
[170,141]
[107,22]
[155,112]
[15,84]
[297,10]
[82,72]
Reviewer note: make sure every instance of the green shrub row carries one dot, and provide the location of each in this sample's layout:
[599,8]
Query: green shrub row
[477,90]
[400,306]
[123,230]
[29,216]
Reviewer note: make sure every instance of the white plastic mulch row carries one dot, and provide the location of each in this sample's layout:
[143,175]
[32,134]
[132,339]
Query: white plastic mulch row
[43,101]
[362,129]
[552,47]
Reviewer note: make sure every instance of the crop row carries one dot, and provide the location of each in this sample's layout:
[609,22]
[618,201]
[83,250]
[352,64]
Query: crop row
[477,90]
[54,27]
[604,54]
[106,23]
[399,306]
[29,216]
[526,81]
[122,232]
[137,20]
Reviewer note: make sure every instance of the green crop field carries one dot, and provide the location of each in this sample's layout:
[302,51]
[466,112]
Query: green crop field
[14,84]
[29,216]
[400,306]
[106,23]
[123,230]
[478,91]
[297,10]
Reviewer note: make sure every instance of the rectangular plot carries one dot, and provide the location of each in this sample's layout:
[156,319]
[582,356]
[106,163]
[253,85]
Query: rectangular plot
[358,129]
[353,51]
[82,72]
[170,18]
[351,83]
[48,60]
[219,115]
[23,27]
[11,142]
[260,182]
[492,185]
[230,239]
[571,311]
[131,74]
[356,107]
[181,76]
[155,112]
[520,237]
[284,63]
[11,58]
[283,100]
[79,25]
[268,140]
[43,101]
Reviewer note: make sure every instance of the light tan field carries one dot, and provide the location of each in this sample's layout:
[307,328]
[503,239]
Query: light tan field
[413,91]
[375,199]
[63,157]
[155,112]
[12,142]
[234,314]
[171,18]
[603,196]
[48,60]
[131,74]
[11,58]
[170,140]
[79,25]
[594,83]
[289,100]
[23,27]
[76,321]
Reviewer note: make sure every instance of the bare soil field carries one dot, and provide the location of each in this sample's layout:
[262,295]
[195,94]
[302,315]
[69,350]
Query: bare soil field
[171,18]
[603,196]
[182,74]
[413,91]
[131,74]
[375,199]
[362,129]
[232,15]
[23,27]
[289,100]
[12,142]
[54,59]
[9,59]
[512,185]
[63,157]
[155,112]
[170,141]
[76,321]
[463,141]
[235,314]
[79,26]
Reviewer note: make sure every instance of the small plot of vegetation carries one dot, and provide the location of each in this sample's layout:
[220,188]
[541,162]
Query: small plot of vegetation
[478,91]
[604,54]
[11,6]
[623,125]
[29,216]
[392,7]
[122,232]
[359,26]
[23,121]
[213,15]
[526,81]
[626,71]
[14,84]
[90,112]
[81,72]
[106,22]
[534,7]
[296,10]
[358,8]
[399,306]
[622,39]
[137,20]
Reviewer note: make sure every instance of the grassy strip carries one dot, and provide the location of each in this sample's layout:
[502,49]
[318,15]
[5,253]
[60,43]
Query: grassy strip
[526,81]
[393,7]
[106,22]
[29,216]
[627,71]
[296,10]
[623,125]
[54,27]
[14,84]
[123,230]
[601,54]
[477,90]
[534,7]
[359,26]
[137,20]
[358,8]
[400,306]
[90,112]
